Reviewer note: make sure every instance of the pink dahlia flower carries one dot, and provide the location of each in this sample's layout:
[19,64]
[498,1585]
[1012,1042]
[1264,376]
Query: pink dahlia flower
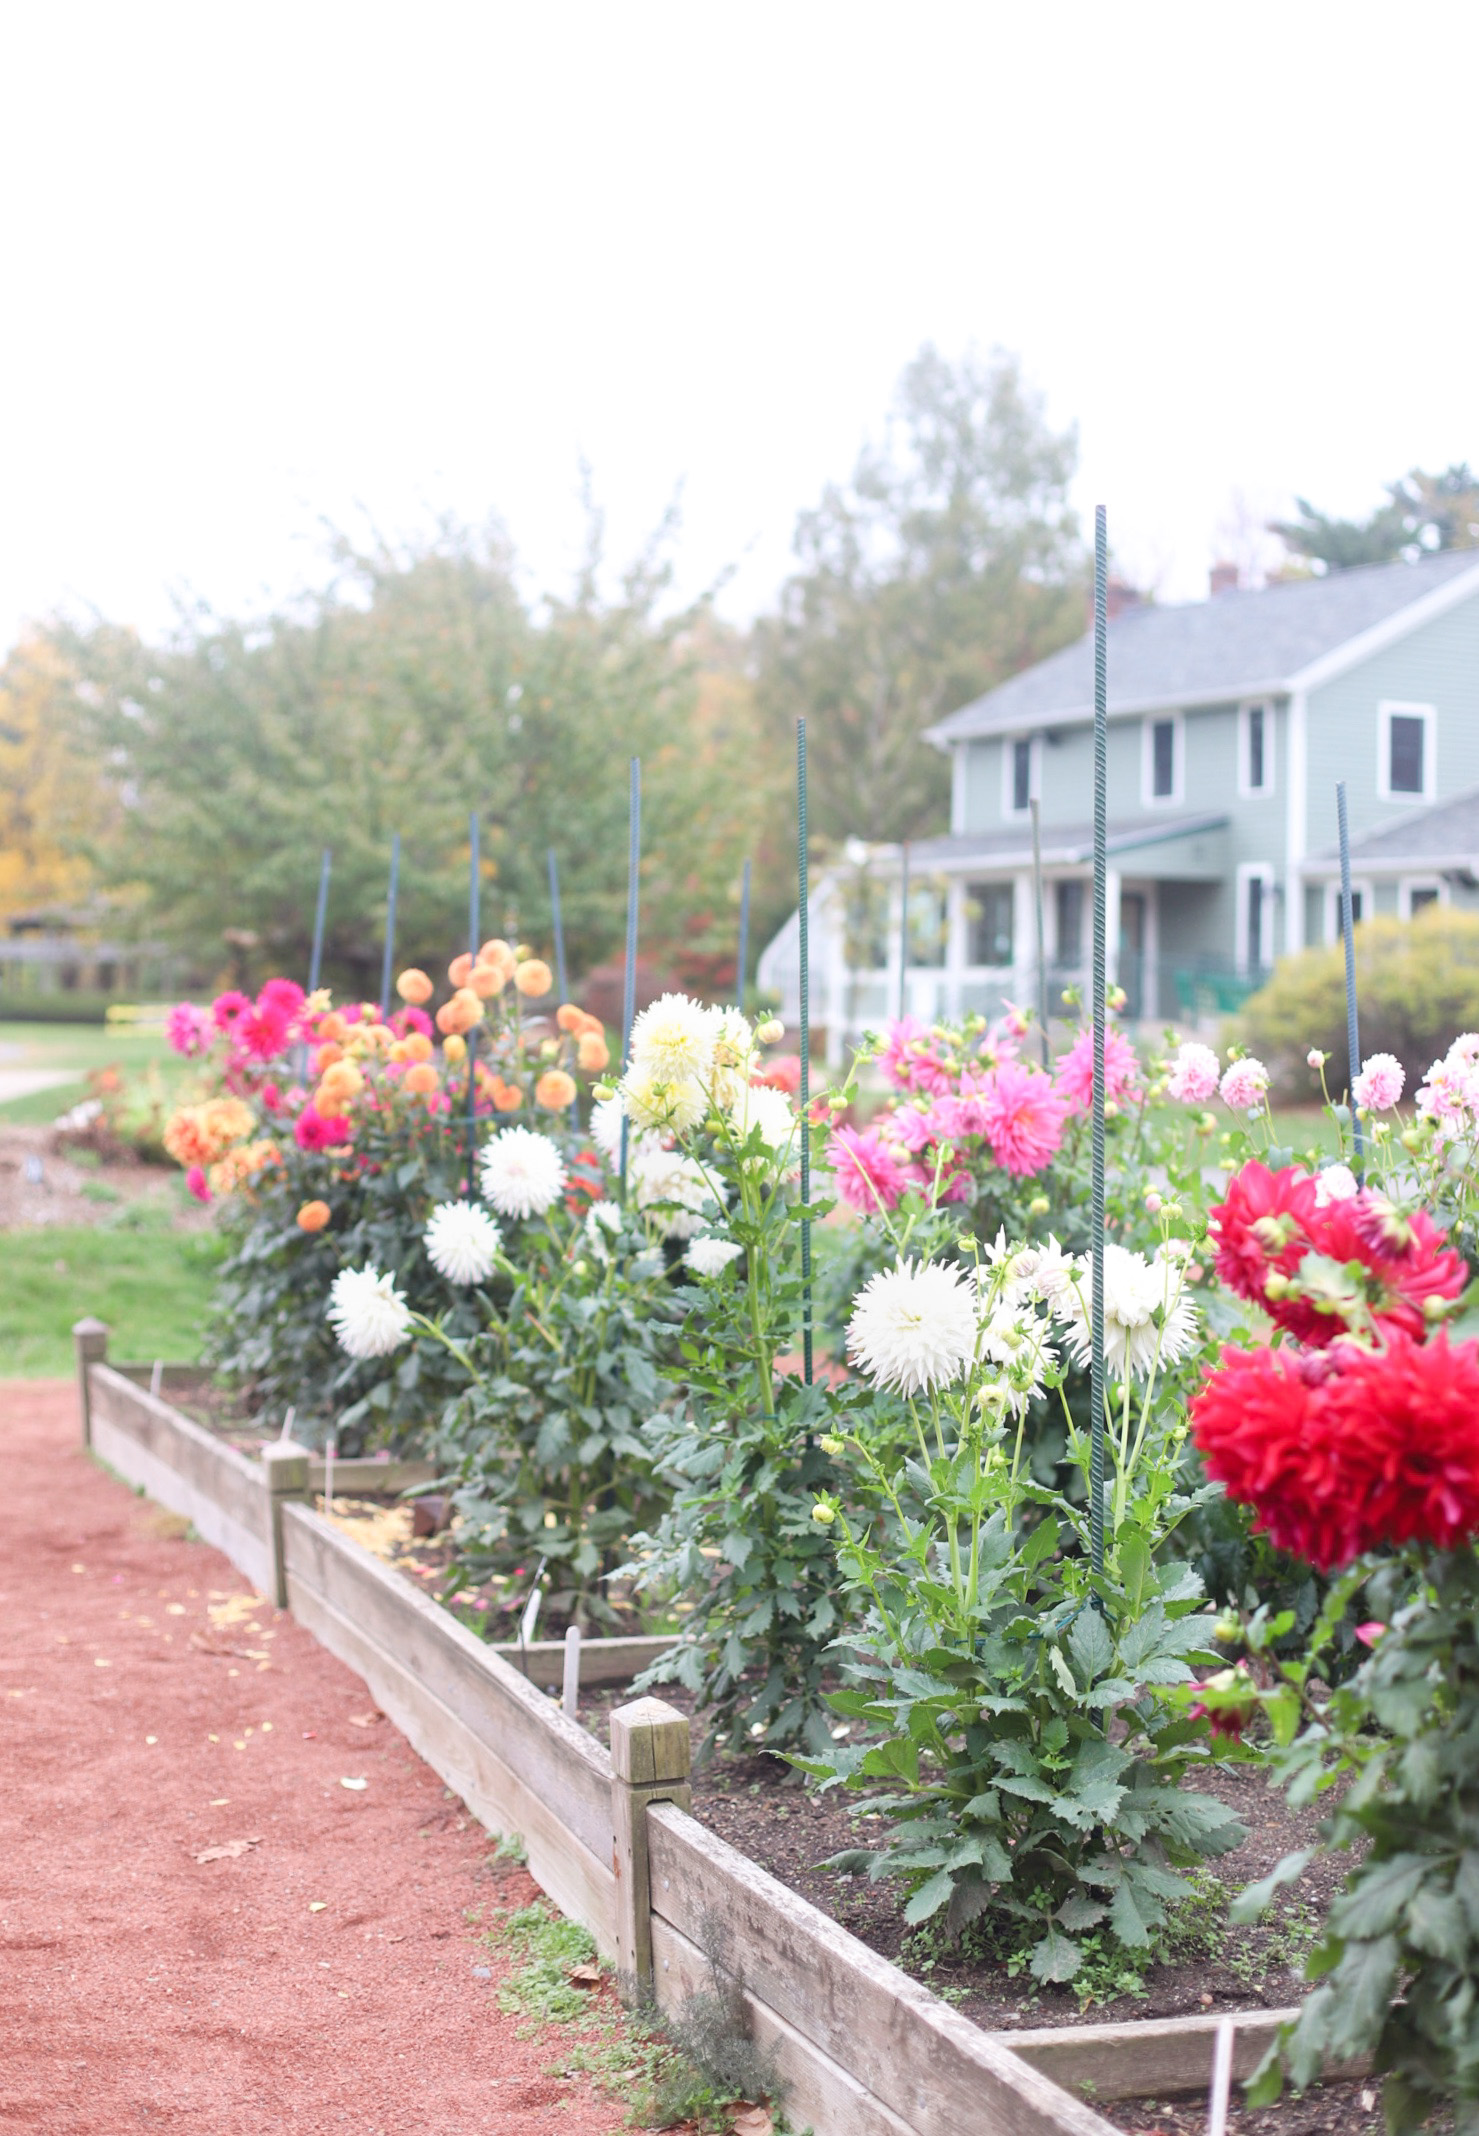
[1379,1085]
[1023,1118]
[188,1029]
[1245,1085]
[869,1174]
[317,1131]
[909,1058]
[195,1183]
[1193,1077]
[1075,1077]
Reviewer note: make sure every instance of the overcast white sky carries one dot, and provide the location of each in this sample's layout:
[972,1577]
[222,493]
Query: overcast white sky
[270,264]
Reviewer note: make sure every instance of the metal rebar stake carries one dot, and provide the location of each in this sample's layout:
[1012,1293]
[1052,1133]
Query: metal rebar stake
[1100,963]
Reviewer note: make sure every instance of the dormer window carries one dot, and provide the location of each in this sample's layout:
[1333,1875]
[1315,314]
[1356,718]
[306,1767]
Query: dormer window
[1255,749]
[1019,775]
[1162,751]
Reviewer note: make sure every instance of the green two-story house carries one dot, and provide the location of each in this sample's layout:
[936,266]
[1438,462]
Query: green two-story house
[1230,722]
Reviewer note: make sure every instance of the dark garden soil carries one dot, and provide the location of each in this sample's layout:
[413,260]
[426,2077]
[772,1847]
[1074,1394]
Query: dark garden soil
[45,1181]
[204,1929]
[758,1804]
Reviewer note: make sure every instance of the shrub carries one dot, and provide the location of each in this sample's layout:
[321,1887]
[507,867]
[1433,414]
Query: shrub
[1417,983]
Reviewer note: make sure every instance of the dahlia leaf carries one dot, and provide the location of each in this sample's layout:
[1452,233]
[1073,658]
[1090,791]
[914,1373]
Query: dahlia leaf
[1057,1957]
[1091,1646]
[929,1898]
[1255,1899]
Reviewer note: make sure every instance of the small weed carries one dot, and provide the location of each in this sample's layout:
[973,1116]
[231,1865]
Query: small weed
[511,1848]
[548,1948]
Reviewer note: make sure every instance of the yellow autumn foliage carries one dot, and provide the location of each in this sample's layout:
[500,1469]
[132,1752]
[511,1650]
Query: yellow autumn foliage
[51,799]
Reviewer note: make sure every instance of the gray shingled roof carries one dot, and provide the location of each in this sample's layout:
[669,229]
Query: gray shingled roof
[1432,836]
[1204,652]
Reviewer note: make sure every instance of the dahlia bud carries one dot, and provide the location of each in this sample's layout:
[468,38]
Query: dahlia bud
[1435,1309]
[830,1445]
[1152,1202]
[1039,1205]
[603,1091]
[1412,1139]
[1227,1629]
[1276,1285]
[771,1032]
[1316,1058]
[824,1513]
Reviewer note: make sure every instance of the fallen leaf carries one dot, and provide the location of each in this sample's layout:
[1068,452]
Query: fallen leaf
[174,1609]
[236,1609]
[99,1663]
[231,1851]
[356,1784]
[586,1976]
[219,1802]
[147,1739]
[365,1720]
[752,2121]
[317,1905]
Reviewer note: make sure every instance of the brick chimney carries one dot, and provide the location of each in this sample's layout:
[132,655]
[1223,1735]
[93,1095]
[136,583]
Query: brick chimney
[1222,578]
[1119,595]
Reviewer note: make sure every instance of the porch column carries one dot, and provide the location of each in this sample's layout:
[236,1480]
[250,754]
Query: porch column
[1111,930]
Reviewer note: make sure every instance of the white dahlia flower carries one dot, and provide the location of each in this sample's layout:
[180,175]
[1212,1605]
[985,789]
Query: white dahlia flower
[673,1040]
[672,1183]
[662,1105]
[914,1326]
[462,1241]
[734,1056]
[757,1105]
[523,1172]
[1148,1318]
[1018,1342]
[1336,1183]
[710,1257]
[368,1313]
[606,1119]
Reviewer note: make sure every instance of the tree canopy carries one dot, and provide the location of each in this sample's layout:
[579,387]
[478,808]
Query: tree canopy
[948,562]
[419,688]
[1422,513]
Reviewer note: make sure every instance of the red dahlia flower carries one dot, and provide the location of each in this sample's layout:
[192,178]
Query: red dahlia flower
[1263,1224]
[1346,1450]
[1409,1257]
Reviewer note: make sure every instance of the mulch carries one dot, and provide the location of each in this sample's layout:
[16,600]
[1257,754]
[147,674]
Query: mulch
[203,1930]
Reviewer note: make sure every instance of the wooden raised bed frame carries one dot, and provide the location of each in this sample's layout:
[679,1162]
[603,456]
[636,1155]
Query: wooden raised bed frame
[863,2049]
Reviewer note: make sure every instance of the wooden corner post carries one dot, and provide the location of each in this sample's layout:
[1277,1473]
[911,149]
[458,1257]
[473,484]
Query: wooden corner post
[91,1338]
[650,1762]
[285,1467]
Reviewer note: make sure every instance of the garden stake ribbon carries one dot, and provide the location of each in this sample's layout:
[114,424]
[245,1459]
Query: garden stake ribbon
[388,962]
[805,1048]
[1101,876]
[1348,933]
[629,981]
[744,939]
[473,915]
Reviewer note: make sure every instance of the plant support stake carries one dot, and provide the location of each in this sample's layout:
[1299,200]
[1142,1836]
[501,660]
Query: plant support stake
[742,965]
[1042,961]
[388,963]
[1348,932]
[904,929]
[557,923]
[629,985]
[1096,1187]
[474,887]
[315,961]
[802,920]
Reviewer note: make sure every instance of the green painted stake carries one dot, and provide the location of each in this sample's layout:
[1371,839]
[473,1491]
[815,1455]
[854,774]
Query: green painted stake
[474,887]
[803,918]
[629,987]
[1096,1187]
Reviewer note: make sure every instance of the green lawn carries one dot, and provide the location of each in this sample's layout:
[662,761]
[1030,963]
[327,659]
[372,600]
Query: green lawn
[150,1284]
[79,1047]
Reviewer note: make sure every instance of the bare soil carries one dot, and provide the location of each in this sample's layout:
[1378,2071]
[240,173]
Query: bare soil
[203,1930]
[74,1186]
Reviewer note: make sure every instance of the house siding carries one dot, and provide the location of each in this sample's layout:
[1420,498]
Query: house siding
[1438,665]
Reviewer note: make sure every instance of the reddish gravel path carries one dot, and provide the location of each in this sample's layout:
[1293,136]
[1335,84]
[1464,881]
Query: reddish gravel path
[322,1981]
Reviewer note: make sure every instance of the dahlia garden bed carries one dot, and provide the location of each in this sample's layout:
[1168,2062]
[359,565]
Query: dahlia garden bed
[806,1377]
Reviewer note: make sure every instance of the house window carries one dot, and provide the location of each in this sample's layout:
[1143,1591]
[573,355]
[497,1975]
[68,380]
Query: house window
[988,912]
[927,926]
[1255,928]
[1256,749]
[1019,768]
[1405,769]
[1070,898]
[1414,895]
[1161,760]
[1361,907]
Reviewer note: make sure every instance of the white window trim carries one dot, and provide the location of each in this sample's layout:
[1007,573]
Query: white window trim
[1428,714]
[1034,775]
[1360,887]
[1148,798]
[1254,871]
[1406,884]
[1246,789]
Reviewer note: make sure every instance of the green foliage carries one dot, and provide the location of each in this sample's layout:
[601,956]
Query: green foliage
[150,1282]
[546,1947]
[1418,982]
[1422,513]
[1018,1706]
[547,1441]
[930,578]
[418,686]
[1395,1751]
